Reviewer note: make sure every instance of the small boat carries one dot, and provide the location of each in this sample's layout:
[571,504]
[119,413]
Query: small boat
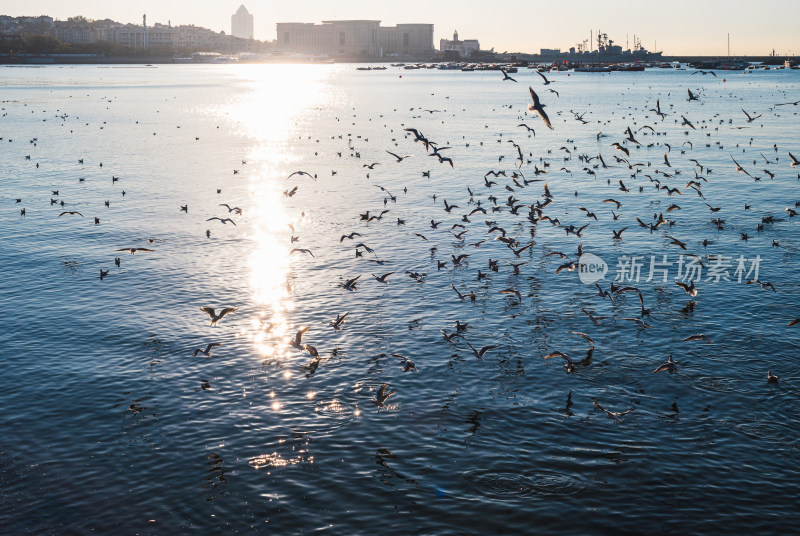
[592,69]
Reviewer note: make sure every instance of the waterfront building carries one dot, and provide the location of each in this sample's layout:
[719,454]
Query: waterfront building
[464,48]
[242,23]
[355,38]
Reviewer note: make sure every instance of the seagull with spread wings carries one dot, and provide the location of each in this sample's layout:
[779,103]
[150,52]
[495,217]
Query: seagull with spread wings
[538,107]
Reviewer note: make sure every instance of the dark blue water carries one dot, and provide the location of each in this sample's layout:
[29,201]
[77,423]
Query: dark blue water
[110,425]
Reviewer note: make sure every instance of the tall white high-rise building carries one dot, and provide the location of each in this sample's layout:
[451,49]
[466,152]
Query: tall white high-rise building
[242,23]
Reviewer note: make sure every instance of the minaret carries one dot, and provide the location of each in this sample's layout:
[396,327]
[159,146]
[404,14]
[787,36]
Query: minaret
[455,36]
[144,31]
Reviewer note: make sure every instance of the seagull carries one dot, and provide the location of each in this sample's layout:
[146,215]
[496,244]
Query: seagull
[595,319]
[615,415]
[657,109]
[795,161]
[513,292]
[771,378]
[457,260]
[618,234]
[337,324]
[407,363]
[506,77]
[443,159]
[301,250]
[546,81]
[350,237]
[298,338]
[765,285]
[569,266]
[222,220]
[382,278]
[698,337]
[217,317]
[518,252]
[350,284]
[237,210]
[462,297]
[740,169]
[581,334]
[207,351]
[690,290]
[72,212]
[604,293]
[638,321]
[570,366]
[448,208]
[749,118]
[482,352]
[538,107]
[399,158]
[133,251]
[366,247]
[677,242]
[794,322]
[620,148]
[669,365]
[392,197]
[381,396]
[449,337]
[301,173]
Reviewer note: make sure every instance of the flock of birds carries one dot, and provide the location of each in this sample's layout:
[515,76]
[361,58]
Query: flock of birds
[487,204]
[504,193]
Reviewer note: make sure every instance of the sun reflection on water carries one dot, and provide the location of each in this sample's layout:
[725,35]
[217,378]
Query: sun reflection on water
[279,103]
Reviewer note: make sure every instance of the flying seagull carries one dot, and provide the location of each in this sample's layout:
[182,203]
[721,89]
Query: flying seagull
[381,396]
[207,351]
[538,107]
[482,352]
[217,317]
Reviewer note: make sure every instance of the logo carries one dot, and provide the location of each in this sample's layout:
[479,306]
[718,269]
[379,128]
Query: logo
[591,268]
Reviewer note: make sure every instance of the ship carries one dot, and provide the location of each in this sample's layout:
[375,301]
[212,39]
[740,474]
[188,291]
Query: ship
[603,51]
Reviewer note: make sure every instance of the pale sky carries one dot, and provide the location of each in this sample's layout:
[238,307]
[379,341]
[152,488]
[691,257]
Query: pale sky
[674,26]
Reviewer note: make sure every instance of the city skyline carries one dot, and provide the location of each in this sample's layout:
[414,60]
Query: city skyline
[685,28]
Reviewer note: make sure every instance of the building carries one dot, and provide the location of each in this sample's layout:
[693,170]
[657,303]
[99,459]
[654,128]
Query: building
[42,25]
[355,38]
[464,48]
[77,33]
[406,40]
[242,23]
